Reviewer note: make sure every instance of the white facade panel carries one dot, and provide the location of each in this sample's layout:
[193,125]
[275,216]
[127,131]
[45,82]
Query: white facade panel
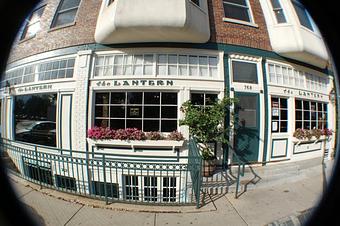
[129,21]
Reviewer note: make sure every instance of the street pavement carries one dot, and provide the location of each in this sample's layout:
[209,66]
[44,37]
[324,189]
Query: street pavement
[272,204]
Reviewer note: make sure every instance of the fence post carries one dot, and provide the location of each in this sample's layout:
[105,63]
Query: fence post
[38,168]
[199,180]
[104,172]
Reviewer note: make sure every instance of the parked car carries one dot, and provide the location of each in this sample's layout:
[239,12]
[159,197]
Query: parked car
[38,132]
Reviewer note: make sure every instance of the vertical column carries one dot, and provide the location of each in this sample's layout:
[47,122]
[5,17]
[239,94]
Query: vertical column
[80,102]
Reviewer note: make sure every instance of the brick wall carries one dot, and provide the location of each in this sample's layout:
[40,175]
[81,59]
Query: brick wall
[82,32]
[238,34]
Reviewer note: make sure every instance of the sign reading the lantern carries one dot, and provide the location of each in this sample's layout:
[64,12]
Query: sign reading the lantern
[35,88]
[135,83]
[302,93]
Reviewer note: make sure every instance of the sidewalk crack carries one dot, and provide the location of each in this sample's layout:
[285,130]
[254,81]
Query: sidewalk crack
[73,215]
[236,210]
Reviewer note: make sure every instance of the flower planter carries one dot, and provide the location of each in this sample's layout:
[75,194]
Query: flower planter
[136,143]
[312,140]
[208,167]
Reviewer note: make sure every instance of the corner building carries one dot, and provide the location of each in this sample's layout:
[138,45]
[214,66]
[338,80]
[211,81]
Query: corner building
[122,64]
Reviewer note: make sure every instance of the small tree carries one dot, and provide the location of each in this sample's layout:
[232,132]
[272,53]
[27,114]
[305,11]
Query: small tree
[207,124]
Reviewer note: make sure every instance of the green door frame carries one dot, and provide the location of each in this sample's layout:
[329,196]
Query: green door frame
[258,129]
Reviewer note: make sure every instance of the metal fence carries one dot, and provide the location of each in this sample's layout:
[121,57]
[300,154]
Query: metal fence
[169,181]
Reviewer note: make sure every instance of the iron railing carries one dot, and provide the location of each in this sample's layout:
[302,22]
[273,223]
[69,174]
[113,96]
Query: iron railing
[170,180]
[195,169]
[240,171]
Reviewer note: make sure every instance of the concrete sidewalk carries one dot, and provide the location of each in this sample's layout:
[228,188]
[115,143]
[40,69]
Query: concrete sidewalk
[260,206]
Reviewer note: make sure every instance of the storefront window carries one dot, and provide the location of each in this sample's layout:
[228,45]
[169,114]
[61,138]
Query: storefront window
[279,115]
[203,99]
[35,119]
[310,114]
[147,111]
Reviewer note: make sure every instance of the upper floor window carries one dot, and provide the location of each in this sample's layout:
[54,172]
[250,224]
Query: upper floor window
[302,14]
[280,16]
[66,12]
[160,64]
[32,25]
[197,2]
[237,9]
[244,72]
[288,76]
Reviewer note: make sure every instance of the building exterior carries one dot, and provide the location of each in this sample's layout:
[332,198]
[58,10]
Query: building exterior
[77,64]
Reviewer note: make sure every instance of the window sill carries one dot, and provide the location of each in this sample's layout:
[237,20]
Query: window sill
[240,22]
[62,26]
[26,39]
[136,143]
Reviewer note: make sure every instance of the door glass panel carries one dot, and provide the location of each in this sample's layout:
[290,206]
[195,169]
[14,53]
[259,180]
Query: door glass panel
[247,111]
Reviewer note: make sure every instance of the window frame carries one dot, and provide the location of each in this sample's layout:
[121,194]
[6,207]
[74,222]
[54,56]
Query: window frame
[310,25]
[204,97]
[278,9]
[141,105]
[279,120]
[297,78]
[53,25]
[251,21]
[324,123]
[206,66]
[258,82]
[28,23]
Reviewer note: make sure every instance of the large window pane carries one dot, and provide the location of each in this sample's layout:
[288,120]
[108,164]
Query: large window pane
[151,112]
[134,98]
[152,98]
[33,24]
[169,112]
[302,15]
[169,98]
[117,98]
[35,119]
[141,110]
[236,9]
[197,99]
[244,72]
[151,125]
[102,98]
[66,12]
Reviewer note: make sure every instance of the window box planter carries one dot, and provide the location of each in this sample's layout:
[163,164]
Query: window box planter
[312,140]
[136,143]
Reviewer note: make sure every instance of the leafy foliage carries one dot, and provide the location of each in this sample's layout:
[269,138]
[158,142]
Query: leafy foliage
[207,124]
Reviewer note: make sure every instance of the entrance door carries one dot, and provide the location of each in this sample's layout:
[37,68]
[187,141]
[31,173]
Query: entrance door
[247,126]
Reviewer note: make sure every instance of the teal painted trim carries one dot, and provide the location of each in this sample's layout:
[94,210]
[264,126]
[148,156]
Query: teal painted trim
[227,120]
[70,120]
[227,48]
[266,113]
[13,121]
[88,93]
[279,156]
